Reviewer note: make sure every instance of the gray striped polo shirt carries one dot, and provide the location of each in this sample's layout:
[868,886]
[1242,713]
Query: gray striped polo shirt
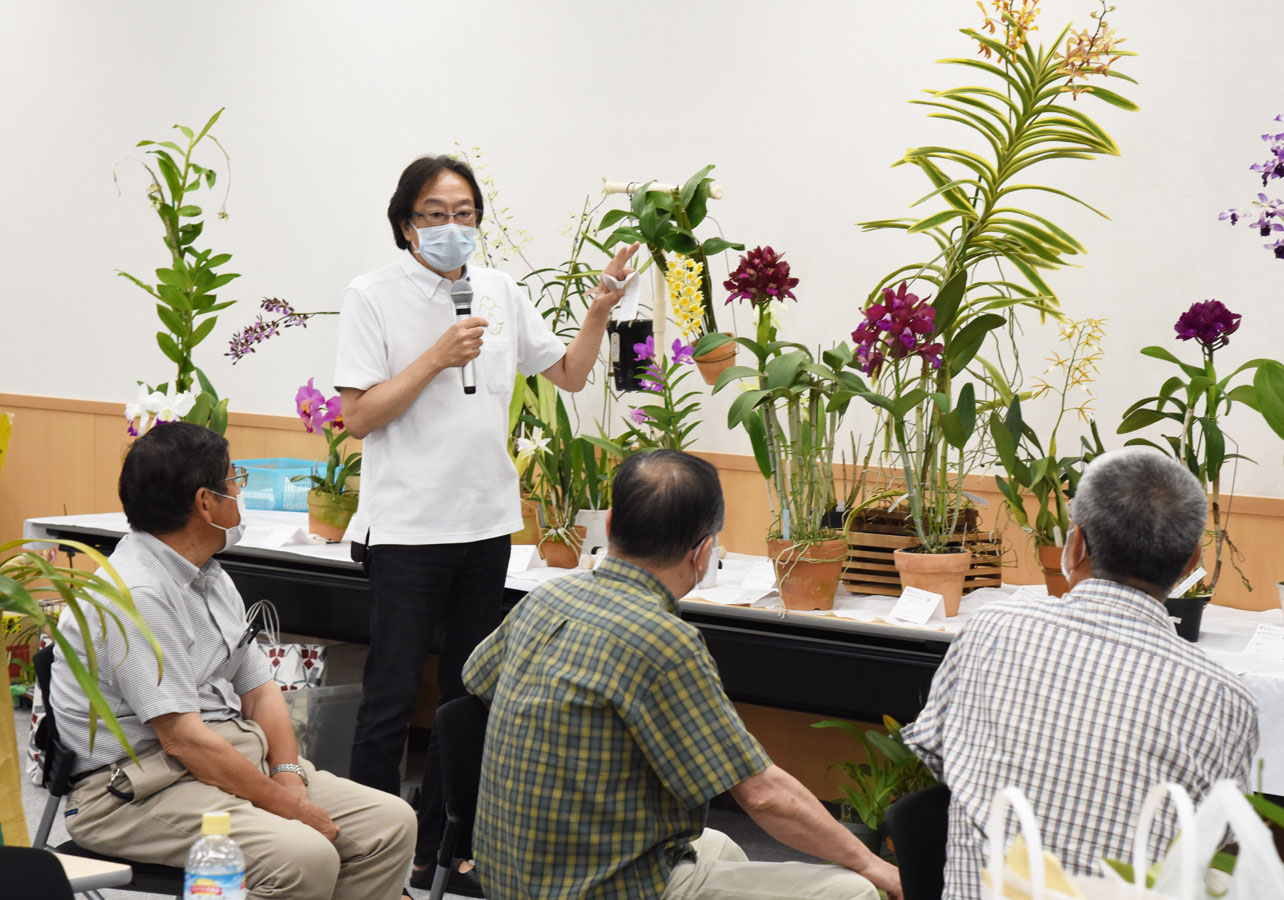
[198,619]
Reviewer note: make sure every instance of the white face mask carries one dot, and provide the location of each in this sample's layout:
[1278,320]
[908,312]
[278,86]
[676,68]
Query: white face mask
[232,536]
[446,247]
[1066,570]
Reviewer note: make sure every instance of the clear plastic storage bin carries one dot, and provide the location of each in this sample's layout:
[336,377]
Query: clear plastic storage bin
[270,487]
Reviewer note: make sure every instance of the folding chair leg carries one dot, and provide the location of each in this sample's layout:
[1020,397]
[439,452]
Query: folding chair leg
[93,895]
[439,879]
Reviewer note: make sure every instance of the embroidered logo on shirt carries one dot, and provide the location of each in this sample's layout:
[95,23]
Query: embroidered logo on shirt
[493,313]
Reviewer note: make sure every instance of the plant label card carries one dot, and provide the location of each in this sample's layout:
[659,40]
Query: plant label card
[520,558]
[288,534]
[1027,593]
[918,607]
[1188,582]
[1267,640]
[761,578]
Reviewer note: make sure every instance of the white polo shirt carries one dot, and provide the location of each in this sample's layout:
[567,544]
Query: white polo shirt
[440,472]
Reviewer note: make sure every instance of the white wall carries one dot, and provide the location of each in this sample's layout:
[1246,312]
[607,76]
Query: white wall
[801,105]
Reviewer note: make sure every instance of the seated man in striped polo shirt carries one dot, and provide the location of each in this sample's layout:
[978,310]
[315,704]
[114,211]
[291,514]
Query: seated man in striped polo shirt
[214,733]
[610,732]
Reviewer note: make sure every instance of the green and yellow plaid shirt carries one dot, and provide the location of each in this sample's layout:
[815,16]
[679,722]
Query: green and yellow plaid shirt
[609,734]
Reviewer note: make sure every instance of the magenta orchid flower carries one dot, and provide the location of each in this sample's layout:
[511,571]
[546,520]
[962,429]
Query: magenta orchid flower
[683,354]
[311,406]
[898,326]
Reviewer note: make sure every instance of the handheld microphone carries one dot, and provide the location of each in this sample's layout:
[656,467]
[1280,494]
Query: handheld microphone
[461,293]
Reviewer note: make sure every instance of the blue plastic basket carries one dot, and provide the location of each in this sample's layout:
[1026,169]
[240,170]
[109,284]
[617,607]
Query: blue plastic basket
[270,487]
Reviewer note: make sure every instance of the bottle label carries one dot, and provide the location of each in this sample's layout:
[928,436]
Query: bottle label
[230,886]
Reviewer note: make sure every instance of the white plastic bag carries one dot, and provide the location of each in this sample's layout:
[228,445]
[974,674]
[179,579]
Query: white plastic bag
[293,666]
[1005,885]
[1259,874]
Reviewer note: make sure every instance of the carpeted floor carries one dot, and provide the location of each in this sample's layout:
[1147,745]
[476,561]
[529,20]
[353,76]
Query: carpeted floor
[756,843]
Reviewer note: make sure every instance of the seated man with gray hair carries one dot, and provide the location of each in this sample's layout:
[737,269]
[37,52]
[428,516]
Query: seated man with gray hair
[1086,701]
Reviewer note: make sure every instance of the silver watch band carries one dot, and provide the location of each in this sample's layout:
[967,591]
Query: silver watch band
[289,767]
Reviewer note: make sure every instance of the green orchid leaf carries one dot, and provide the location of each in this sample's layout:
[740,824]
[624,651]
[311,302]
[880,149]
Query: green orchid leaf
[169,347]
[959,423]
[783,370]
[716,245]
[611,217]
[688,190]
[743,405]
[1112,98]
[1268,383]
[935,220]
[1141,418]
[201,332]
[758,441]
[967,343]
[901,407]
[947,302]
[734,373]
[1167,356]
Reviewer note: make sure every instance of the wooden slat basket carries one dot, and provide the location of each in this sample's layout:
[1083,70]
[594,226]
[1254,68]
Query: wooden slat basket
[869,568]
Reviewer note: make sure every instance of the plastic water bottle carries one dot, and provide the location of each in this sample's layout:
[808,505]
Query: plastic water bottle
[215,865]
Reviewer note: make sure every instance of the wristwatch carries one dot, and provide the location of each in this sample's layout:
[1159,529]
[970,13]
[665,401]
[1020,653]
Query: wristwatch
[290,767]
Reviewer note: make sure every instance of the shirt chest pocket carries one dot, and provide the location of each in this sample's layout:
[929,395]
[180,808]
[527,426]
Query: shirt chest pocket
[498,364]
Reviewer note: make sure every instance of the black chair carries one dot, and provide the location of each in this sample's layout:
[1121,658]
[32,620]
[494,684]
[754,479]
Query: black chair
[461,735]
[919,824]
[149,878]
[28,872]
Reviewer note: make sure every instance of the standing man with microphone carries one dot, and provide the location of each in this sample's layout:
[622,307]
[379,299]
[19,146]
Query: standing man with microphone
[439,493]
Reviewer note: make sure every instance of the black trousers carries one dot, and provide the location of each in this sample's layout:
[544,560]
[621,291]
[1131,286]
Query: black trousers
[442,598]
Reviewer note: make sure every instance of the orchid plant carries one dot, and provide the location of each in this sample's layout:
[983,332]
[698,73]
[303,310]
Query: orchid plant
[761,279]
[318,411]
[790,408]
[565,473]
[928,319]
[1030,468]
[1270,212]
[155,407]
[1196,400]
[665,220]
[185,289]
[246,341]
[896,345]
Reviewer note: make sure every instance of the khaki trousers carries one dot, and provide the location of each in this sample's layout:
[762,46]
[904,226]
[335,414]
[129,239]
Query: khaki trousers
[721,871]
[283,858]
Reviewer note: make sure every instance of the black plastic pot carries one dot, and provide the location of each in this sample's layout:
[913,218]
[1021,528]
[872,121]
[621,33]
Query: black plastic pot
[1186,613]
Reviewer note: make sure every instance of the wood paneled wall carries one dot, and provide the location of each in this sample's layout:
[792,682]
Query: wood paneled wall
[64,458]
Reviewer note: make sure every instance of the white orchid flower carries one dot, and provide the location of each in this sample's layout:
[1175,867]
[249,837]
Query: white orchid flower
[139,411]
[526,446]
[172,406]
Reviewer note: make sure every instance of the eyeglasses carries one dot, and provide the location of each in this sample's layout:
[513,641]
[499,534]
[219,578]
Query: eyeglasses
[438,217]
[241,476]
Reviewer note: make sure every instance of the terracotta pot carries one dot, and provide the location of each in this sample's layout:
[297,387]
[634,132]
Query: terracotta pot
[329,514]
[560,556]
[716,361]
[1050,559]
[530,523]
[940,573]
[808,577]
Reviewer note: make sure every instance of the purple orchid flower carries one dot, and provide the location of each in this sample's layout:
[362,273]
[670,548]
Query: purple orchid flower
[640,417]
[897,327]
[646,349]
[1209,322]
[683,354]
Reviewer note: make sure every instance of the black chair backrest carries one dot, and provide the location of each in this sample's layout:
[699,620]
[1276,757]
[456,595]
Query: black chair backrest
[25,872]
[919,825]
[461,736]
[56,756]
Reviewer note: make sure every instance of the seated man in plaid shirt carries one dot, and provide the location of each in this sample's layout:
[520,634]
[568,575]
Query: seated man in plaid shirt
[610,732]
[1086,701]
